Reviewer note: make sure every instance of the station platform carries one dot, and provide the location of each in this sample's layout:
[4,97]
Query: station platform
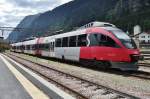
[14,85]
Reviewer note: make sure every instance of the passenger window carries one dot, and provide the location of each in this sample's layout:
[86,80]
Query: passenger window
[33,47]
[47,46]
[36,46]
[82,41]
[58,43]
[102,40]
[94,39]
[72,41]
[42,46]
[107,41]
[28,47]
[65,42]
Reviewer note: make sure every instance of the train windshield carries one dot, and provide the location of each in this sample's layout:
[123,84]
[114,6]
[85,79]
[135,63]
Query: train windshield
[127,41]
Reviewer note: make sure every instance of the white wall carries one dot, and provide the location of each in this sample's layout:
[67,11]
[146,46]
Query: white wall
[144,37]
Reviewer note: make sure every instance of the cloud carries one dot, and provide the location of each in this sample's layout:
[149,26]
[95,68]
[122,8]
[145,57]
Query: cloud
[36,4]
[13,11]
[17,9]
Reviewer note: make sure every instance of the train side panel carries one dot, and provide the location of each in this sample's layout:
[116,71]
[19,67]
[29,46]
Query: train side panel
[68,53]
[104,54]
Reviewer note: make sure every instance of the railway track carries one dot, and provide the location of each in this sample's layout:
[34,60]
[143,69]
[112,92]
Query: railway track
[146,55]
[81,87]
[144,64]
[144,75]
[145,52]
[140,74]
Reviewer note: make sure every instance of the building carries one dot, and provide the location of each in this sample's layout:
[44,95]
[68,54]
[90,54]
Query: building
[144,37]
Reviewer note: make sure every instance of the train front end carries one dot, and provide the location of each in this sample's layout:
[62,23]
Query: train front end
[130,52]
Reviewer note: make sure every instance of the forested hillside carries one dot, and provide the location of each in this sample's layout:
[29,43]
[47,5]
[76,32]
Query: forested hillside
[123,13]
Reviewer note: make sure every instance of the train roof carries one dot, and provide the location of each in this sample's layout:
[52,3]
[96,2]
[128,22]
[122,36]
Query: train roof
[111,28]
[81,30]
[17,44]
[48,39]
[30,42]
[97,24]
[51,38]
[72,33]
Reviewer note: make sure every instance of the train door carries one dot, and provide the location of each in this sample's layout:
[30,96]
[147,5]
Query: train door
[38,51]
[83,43]
[71,50]
[51,48]
[66,48]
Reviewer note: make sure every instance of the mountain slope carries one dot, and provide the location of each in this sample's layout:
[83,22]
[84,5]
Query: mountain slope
[124,13]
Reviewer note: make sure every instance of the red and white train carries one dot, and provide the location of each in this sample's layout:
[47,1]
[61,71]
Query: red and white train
[98,42]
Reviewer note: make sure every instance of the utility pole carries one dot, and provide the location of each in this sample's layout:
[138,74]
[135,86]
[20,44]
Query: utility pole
[2,32]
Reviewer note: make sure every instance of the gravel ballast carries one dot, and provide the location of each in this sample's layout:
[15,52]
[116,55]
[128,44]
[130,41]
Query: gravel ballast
[127,84]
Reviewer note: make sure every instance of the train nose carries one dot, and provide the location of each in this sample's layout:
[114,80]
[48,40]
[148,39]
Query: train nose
[135,57]
[141,57]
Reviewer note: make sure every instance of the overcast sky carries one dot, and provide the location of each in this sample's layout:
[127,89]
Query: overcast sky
[13,11]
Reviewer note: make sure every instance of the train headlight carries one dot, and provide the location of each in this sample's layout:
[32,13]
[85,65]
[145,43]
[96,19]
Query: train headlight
[141,57]
[134,58]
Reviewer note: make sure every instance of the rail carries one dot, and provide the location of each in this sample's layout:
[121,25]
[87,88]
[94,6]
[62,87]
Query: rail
[81,87]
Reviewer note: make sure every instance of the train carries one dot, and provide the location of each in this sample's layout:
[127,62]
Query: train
[99,43]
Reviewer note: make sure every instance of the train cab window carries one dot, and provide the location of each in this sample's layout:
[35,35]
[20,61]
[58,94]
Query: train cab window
[65,42]
[125,39]
[58,42]
[82,40]
[73,41]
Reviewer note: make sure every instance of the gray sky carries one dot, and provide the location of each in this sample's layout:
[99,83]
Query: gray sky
[13,11]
